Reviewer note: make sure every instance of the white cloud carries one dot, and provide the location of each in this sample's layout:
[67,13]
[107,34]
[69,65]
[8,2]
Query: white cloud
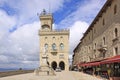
[3,59]
[84,12]
[22,47]
[6,22]
[26,10]
[26,41]
[76,32]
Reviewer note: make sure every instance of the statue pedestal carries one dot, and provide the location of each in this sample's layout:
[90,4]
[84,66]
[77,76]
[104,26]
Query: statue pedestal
[44,69]
[44,60]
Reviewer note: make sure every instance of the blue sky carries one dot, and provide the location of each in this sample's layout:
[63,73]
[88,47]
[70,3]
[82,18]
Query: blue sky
[67,9]
[19,40]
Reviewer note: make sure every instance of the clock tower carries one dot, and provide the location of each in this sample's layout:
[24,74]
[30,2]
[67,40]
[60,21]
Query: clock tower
[54,44]
[46,21]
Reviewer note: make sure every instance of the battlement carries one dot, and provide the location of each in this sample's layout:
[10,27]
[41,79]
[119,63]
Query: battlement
[56,31]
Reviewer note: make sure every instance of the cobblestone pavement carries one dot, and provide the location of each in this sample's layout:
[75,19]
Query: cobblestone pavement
[64,75]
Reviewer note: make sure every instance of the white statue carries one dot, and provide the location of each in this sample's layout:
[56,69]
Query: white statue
[44,56]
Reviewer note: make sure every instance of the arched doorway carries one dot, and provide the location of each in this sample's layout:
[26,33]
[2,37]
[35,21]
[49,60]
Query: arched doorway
[54,65]
[62,65]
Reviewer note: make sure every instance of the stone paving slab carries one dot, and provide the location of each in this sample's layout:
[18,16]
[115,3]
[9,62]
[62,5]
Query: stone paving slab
[64,75]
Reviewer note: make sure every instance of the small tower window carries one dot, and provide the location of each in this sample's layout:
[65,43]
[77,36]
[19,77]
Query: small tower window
[116,32]
[115,9]
[61,46]
[45,27]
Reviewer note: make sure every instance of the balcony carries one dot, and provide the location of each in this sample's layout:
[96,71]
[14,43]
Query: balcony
[94,50]
[53,51]
[115,40]
[102,48]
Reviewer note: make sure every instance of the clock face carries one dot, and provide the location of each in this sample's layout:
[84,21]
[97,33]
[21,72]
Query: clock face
[45,27]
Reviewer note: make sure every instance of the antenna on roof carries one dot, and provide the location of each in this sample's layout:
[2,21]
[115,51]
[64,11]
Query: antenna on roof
[38,14]
[49,7]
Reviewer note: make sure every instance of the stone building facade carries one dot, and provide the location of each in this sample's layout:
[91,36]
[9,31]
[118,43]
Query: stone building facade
[54,43]
[102,38]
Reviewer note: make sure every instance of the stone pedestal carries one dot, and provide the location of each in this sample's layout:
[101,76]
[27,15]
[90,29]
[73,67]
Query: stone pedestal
[44,69]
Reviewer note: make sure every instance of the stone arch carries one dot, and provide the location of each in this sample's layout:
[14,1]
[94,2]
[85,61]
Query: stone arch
[54,65]
[45,25]
[62,65]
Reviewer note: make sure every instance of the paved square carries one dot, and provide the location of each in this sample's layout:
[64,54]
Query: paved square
[64,75]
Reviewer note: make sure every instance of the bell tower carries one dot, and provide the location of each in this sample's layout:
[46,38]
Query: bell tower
[54,44]
[46,21]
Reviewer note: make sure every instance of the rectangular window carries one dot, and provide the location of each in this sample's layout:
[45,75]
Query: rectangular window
[115,9]
[61,56]
[116,32]
[103,22]
[89,49]
[94,30]
[116,50]
[104,41]
[89,37]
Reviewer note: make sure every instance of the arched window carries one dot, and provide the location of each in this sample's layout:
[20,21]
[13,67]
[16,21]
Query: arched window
[46,46]
[53,46]
[89,49]
[115,9]
[45,27]
[104,40]
[95,45]
[103,22]
[116,32]
[61,46]
[116,50]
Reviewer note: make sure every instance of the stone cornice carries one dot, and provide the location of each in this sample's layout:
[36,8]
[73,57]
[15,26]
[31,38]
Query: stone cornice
[54,32]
